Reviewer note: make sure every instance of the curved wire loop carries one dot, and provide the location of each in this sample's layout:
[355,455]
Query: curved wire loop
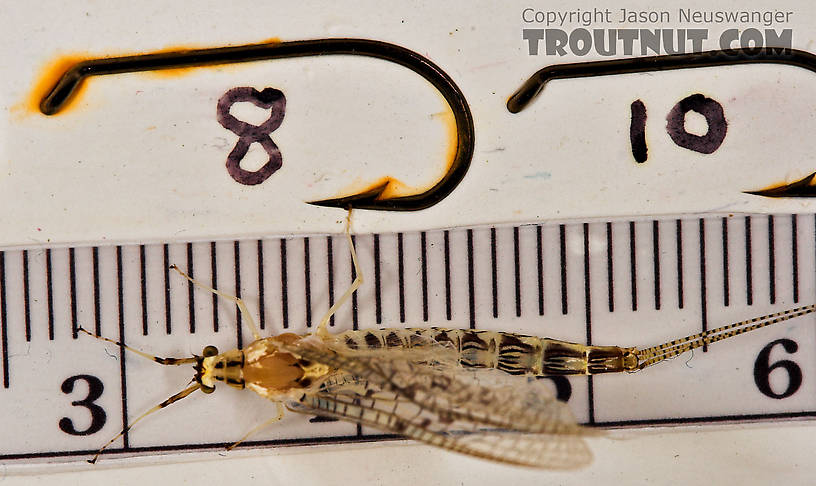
[765,55]
[68,83]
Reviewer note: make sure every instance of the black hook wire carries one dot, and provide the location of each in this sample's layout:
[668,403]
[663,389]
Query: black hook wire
[765,55]
[68,83]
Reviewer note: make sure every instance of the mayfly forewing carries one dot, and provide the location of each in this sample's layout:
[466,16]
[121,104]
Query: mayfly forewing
[485,397]
[446,428]
[558,452]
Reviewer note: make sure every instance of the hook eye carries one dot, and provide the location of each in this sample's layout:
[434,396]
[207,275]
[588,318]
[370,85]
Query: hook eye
[209,351]
[207,389]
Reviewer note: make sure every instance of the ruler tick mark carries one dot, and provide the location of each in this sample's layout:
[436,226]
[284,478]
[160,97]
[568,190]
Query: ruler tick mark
[562,230]
[330,271]
[703,293]
[142,291]
[236,257]
[120,308]
[424,257]
[587,301]
[262,287]
[588,318]
[771,260]
[540,269]
[355,324]
[26,297]
[795,257]
[284,284]
[679,245]
[726,278]
[3,320]
[656,261]
[517,268]
[97,298]
[494,271]
[377,282]
[49,283]
[749,277]
[447,275]
[610,275]
[168,319]
[214,280]
[73,292]
[633,265]
[190,288]
[472,281]
[307,280]
[401,277]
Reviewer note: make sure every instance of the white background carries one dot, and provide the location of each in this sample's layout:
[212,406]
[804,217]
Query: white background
[140,158]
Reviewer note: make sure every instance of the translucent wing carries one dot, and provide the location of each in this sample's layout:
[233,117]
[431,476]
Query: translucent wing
[484,414]
[429,377]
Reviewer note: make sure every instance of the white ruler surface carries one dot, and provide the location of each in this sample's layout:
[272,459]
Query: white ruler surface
[624,283]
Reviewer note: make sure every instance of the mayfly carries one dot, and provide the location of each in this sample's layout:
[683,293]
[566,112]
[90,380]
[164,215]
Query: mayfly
[439,386]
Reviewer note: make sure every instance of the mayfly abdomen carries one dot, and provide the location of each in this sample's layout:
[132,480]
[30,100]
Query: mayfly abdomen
[515,354]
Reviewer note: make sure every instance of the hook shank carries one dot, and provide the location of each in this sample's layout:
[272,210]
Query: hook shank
[765,55]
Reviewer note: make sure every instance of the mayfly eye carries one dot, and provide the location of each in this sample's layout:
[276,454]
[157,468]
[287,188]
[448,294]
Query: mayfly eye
[210,351]
[207,389]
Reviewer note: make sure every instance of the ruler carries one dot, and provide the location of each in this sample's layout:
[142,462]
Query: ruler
[628,283]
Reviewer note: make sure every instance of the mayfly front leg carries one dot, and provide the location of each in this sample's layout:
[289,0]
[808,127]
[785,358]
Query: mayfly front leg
[236,300]
[163,361]
[255,334]
[322,330]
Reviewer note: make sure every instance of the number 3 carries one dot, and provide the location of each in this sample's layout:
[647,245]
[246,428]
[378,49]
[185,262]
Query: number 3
[98,415]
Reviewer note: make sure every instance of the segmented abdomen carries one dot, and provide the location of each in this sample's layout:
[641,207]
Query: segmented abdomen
[512,353]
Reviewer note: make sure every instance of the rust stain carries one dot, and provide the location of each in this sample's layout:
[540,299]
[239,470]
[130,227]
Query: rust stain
[453,138]
[803,187]
[393,187]
[387,187]
[46,79]
[53,71]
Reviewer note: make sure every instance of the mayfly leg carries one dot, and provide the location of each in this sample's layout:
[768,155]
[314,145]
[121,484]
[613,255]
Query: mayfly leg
[322,328]
[255,334]
[259,427]
[163,361]
[236,300]
[178,396]
[157,359]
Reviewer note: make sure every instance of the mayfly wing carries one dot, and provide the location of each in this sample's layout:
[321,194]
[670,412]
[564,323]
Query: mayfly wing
[487,397]
[355,399]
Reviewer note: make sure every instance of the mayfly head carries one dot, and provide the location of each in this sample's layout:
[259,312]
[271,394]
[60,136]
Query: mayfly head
[206,354]
[213,366]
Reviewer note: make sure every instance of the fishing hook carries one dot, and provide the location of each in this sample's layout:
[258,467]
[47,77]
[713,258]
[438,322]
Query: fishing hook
[372,198]
[765,55]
